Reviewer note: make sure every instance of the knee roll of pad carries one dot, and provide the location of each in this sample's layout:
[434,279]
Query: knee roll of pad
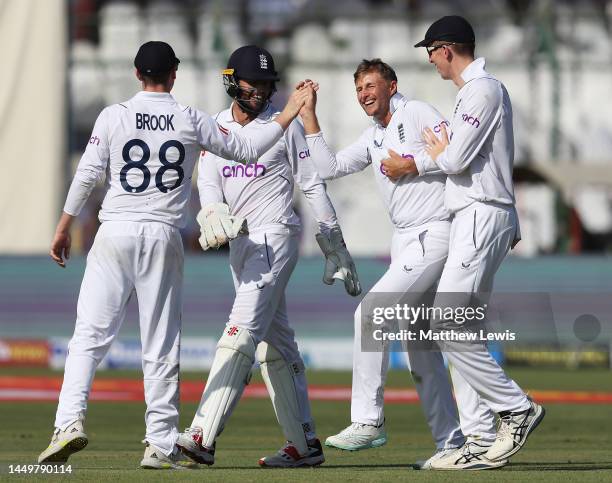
[279,376]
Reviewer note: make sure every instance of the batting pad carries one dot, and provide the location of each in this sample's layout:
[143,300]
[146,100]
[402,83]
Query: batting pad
[230,372]
[278,376]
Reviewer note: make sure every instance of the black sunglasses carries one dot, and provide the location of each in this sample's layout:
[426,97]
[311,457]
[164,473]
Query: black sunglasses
[431,49]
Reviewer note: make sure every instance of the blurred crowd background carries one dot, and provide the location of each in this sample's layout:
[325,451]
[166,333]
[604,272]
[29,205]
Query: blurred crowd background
[555,57]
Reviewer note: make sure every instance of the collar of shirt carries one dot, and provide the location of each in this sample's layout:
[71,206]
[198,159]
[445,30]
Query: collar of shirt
[379,130]
[394,103]
[264,117]
[155,96]
[475,70]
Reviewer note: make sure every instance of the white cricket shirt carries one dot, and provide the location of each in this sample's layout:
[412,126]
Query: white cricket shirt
[413,200]
[148,147]
[262,191]
[480,157]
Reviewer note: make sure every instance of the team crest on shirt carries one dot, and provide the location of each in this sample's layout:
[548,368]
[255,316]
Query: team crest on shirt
[401,133]
[263,61]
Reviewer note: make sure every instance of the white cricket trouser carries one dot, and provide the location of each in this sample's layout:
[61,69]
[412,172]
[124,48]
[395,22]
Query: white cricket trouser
[417,259]
[481,236]
[261,265]
[127,258]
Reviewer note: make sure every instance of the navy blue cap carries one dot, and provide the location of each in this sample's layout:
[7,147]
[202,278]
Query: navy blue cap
[451,28]
[155,57]
[251,62]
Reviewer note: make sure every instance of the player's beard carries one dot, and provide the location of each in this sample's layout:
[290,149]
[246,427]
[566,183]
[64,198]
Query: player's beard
[250,107]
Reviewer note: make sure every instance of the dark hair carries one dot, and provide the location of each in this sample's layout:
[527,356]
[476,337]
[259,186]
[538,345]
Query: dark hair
[464,50]
[375,65]
[153,79]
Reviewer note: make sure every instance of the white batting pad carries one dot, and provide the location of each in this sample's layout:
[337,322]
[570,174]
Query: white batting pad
[230,372]
[279,378]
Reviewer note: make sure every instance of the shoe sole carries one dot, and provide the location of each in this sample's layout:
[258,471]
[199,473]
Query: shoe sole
[377,443]
[493,465]
[534,424]
[61,456]
[161,466]
[307,463]
[195,456]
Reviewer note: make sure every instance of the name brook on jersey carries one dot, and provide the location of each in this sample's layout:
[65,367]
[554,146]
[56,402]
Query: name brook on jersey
[163,122]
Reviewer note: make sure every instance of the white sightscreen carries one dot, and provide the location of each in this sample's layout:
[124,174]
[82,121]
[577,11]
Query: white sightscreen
[32,122]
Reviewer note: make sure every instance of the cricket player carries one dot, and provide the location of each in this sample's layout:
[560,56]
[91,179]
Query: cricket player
[419,248]
[261,264]
[148,147]
[478,160]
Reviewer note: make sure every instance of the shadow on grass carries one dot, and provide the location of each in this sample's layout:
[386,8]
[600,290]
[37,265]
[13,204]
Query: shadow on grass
[548,466]
[560,466]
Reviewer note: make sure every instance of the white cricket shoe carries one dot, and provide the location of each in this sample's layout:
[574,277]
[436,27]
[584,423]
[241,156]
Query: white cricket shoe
[155,459]
[190,444]
[426,464]
[358,436]
[289,457]
[471,456]
[64,443]
[513,430]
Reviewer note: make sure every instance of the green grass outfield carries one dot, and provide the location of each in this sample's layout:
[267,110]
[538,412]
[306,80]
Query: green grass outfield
[574,443]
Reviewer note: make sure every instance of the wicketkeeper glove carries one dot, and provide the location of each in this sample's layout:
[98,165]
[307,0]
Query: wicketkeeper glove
[338,261]
[217,226]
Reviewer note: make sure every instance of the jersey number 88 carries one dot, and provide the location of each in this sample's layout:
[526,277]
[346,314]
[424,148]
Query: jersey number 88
[146,174]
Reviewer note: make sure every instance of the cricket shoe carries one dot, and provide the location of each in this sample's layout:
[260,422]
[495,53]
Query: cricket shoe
[426,464]
[513,430]
[471,456]
[358,436]
[64,443]
[190,444]
[155,459]
[289,457]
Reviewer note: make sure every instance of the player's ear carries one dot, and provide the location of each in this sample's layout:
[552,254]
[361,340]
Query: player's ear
[393,87]
[138,75]
[449,52]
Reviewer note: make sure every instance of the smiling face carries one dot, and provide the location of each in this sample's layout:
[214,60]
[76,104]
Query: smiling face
[374,94]
[255,93]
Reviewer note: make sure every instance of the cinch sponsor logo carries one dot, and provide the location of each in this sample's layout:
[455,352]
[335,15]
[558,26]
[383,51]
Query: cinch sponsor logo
[471,120]
[437,129]
[94,140]
[304,154]
[252,170]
